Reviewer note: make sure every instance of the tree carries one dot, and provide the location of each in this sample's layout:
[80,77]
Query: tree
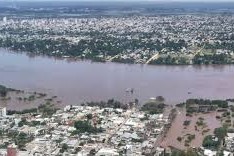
[220,132]
[92,152]
[47,109]
[22,122]
[153,107]
[136,101]
[189,152]
[3,91]
[64,148]
[89,116]
[160,98]
[85,126]
[210,143]
[22,139]
[178,153]
[1,134]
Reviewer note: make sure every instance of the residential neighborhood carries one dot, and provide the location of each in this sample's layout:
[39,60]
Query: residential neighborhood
[119,132]
[170,39]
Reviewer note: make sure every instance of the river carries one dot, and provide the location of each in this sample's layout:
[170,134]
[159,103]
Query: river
[78,81]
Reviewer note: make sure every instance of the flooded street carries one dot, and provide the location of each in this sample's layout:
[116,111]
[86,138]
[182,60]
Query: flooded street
[76,82]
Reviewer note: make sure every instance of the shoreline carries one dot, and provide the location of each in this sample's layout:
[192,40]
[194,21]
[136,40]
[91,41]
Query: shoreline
[70,59]
[32,99]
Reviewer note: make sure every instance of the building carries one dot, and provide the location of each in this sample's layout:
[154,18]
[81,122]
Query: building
[229,142]
[208,152]
[107,152]
[4,19]
[12,150]
[3,112]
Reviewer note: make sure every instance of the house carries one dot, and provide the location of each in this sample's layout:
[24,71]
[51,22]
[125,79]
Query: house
[208,152]
[107,152]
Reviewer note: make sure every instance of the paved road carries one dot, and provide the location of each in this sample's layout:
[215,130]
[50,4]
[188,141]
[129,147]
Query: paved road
[154,57]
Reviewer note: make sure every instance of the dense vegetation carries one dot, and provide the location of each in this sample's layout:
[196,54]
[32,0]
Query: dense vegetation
[203,105]
[212,59]
[85,126]
[189,152]
[3,91]
[154,106]
[210,142]
[46,109]
[222,45]
[213,142]
[20,138]
[219,103]
[103,45]
[32,124]
[220,132]
[110,103]
[100,43]
[25,111]
[169,60]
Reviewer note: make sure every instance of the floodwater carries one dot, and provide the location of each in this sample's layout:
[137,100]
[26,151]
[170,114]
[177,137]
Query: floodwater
[78,81]
[179,130]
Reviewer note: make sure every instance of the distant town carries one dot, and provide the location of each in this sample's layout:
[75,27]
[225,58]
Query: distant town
[170,39]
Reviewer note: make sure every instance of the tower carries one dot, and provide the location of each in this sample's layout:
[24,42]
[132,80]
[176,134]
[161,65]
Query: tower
[3,112]
[4,19]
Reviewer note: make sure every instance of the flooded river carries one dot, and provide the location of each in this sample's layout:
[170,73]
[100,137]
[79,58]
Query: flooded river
[80,81]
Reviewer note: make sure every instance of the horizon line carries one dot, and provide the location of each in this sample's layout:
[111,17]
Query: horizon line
[159,1]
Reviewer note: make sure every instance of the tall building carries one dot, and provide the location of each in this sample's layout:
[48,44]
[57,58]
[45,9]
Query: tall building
[3,112]
[4,19]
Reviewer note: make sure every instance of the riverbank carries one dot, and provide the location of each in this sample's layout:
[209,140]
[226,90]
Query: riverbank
[182,59]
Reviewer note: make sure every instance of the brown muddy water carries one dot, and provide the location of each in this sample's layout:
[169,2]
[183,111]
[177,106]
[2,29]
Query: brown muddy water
[179,130]
[80,81]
